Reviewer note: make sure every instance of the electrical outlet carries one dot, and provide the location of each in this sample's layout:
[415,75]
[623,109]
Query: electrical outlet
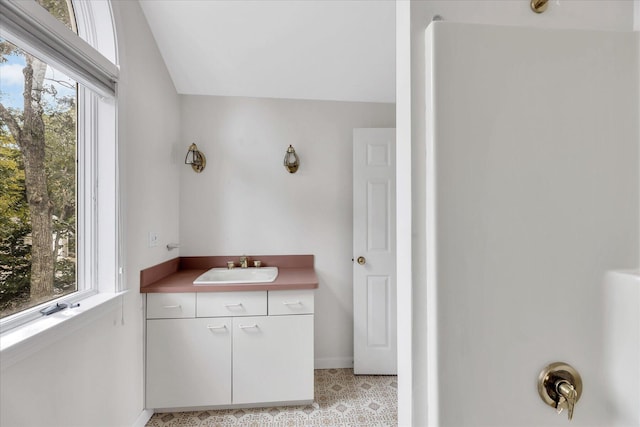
[153,239]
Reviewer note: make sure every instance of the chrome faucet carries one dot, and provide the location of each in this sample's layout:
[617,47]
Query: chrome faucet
[244,262]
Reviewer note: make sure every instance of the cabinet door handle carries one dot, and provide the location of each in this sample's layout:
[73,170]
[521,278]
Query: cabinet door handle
[241,326]
[172,306]
[216,327]
[291,302]
[237,304]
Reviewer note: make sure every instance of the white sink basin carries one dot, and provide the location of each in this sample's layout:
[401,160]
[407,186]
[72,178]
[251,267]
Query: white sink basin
[223,276]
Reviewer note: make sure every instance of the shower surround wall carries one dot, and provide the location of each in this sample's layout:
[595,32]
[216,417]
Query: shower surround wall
[245,202]
[532,176]
[617,15]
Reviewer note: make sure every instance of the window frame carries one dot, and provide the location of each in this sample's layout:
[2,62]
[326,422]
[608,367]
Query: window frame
[30,27]
[35,29]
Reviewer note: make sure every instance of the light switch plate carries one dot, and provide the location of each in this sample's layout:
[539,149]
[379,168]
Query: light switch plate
[153,239]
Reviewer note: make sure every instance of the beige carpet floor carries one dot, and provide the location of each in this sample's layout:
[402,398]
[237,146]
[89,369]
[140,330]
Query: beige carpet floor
[341,399]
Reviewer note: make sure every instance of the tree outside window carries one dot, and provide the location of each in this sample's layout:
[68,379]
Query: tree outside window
[38,123]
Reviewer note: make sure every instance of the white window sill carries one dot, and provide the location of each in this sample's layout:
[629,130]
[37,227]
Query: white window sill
[27,339]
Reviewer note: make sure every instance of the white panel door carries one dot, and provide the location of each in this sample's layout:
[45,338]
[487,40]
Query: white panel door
[188,362]
[374,267]
[272,359]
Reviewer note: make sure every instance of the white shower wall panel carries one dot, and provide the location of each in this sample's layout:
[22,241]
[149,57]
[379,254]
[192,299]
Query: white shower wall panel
[532,177]
[621,293]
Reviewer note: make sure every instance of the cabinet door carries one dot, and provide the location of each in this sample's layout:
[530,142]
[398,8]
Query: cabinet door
[272,359]
[188,362]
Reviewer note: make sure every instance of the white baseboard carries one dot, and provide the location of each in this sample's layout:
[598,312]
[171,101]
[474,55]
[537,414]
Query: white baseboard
[334,363]
[143,418]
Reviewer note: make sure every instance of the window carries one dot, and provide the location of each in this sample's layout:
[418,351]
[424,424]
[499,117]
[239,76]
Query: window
[57,141]
[38,168]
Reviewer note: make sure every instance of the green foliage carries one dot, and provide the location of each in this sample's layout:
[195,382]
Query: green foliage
[15,229]
[13,202]
[60,136]
[15,264]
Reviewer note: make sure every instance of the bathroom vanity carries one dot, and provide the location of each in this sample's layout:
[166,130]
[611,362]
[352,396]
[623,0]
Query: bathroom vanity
[231,344]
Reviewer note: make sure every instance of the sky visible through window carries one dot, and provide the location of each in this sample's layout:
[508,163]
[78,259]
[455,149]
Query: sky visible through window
[12,82]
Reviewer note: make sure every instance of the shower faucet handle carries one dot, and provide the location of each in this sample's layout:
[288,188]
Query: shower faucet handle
[560,386]
[561,404]
[568,397]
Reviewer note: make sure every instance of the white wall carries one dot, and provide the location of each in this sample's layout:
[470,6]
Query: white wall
[94,376]
[403,210]
[149,131]
[535,199]
[245,202]
[605,15]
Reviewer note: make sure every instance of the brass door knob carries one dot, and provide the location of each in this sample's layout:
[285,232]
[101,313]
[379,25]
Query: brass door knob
[362,260]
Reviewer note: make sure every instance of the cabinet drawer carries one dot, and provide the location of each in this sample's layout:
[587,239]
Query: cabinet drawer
[291,302]
[216,304]
[171,306]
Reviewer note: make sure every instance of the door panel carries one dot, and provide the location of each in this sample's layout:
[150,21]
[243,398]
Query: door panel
[374,287]
[378,321]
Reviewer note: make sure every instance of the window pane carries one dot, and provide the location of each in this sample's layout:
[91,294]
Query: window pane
[37,181]
[62,11]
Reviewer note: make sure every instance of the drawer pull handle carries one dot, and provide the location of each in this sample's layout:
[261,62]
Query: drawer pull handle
[216,327]
[237,304]
[241,326]
[291,303]
[172,306]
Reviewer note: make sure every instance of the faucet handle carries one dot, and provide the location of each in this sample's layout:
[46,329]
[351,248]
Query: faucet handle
[568,395]
[560,386]
[561,404]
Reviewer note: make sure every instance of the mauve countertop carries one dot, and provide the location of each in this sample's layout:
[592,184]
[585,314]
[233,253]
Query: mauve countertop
[178,274]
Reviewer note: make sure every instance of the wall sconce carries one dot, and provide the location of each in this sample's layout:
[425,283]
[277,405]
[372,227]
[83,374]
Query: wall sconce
[291,160]
[195,158]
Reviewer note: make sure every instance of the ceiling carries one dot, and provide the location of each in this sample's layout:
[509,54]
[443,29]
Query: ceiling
[340,50]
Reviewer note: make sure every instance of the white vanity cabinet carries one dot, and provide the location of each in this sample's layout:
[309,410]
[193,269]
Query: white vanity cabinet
[237,348]
[188,362]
